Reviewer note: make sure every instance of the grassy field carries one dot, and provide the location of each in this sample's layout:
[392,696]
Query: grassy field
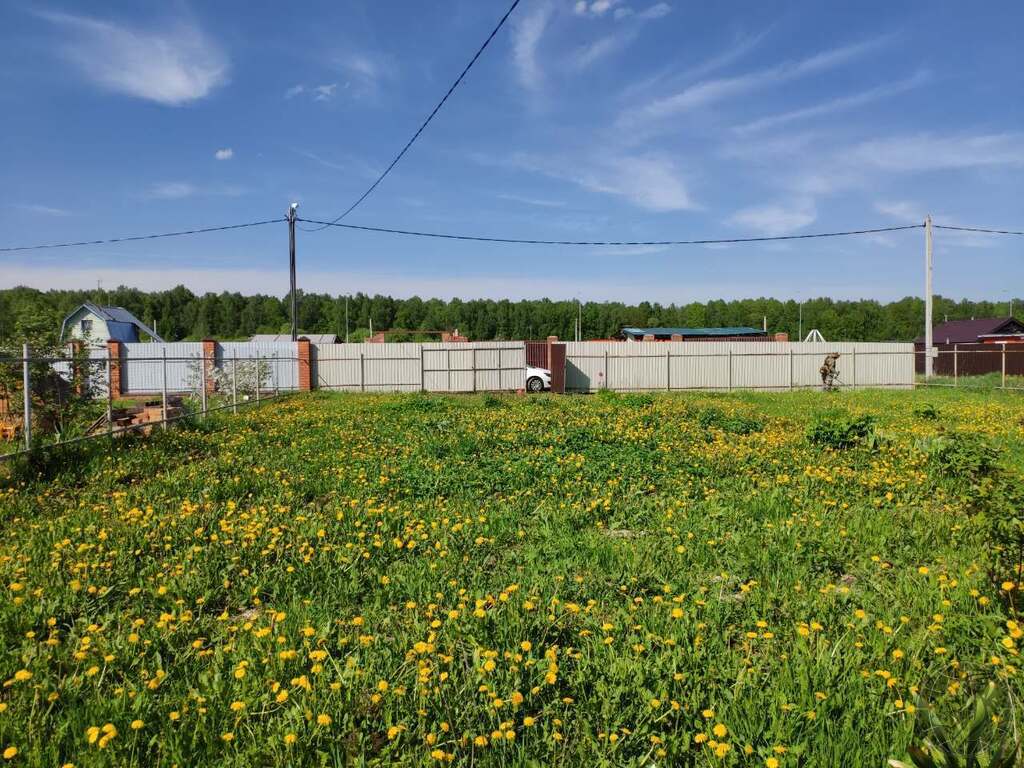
[741,580]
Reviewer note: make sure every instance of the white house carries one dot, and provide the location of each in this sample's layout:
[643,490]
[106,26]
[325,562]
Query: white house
[96,325]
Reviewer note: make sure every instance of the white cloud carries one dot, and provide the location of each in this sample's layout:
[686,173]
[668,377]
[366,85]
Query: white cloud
[622,12]
[774,220]
[927,152]
[324,92]
[656,11]
[601,7]
[710,91]
[224,154]
[526,36]
[172,65]
[294,91]
[838,104]
[580,8]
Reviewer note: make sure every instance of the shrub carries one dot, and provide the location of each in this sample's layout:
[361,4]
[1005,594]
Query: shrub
[842,431]
[736,424]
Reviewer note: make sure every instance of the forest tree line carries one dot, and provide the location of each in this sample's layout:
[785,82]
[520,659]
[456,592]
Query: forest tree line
[179,314]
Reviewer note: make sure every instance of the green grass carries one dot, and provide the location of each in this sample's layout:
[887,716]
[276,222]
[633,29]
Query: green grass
[488,580]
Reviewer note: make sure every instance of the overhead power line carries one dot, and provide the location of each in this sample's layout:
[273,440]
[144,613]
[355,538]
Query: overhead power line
[525,241]
[111,240]
[430,117]
[978,229]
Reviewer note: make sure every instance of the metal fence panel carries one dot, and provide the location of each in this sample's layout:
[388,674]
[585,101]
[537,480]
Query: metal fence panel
[281,358]
[730,365]
[432,367]
[142,367]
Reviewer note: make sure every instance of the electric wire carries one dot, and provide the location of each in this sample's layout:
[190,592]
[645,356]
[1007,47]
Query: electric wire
[527,241]
[426,122]
[978,229]
[111,240]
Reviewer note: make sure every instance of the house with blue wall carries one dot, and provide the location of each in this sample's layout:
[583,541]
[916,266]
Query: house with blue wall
[95,325]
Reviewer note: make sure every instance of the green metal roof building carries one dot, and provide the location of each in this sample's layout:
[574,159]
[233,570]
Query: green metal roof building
[734,333]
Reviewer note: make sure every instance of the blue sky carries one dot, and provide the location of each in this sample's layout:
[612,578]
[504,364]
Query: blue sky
[596,119]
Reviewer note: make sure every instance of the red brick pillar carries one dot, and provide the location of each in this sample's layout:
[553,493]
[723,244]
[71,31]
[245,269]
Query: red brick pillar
[551,340]
[209,361]
[114,350]
[305,367]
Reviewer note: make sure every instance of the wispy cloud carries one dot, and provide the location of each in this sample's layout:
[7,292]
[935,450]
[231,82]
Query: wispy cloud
[838,104]
[294,91]
[928,152]
[540,202]
[912,212]
[526,36]
[324,92]
[708,92]
[179,190]
[656,11]
[42,210]
[172,65]
[224,154]
[648,181]
[773,220]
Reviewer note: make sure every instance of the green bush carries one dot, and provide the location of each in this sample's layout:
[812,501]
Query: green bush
[842,430]
[735,424]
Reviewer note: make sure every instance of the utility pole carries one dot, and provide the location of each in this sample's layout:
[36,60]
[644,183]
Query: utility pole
[928,297]
[291,266]
[800,333]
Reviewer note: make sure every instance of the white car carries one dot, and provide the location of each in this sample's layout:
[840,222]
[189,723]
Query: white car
[537,379]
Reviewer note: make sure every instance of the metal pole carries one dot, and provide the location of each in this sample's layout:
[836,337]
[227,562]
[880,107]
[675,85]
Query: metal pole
[1004,365]
[362,372]
[110,395]
[606,369]
[800,333]
[668,369]
[448,365]
[854,366]
[163,388]
[203,383]
[234,384]
[259,379]
[791,368]
[928,297]
[422,372]
[346,319]
[473,363]
[26,383]
[956,373]
[291,268]
[730,370]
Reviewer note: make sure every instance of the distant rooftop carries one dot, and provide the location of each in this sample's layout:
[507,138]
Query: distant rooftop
[973,330]
[667,333]
[315,338]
